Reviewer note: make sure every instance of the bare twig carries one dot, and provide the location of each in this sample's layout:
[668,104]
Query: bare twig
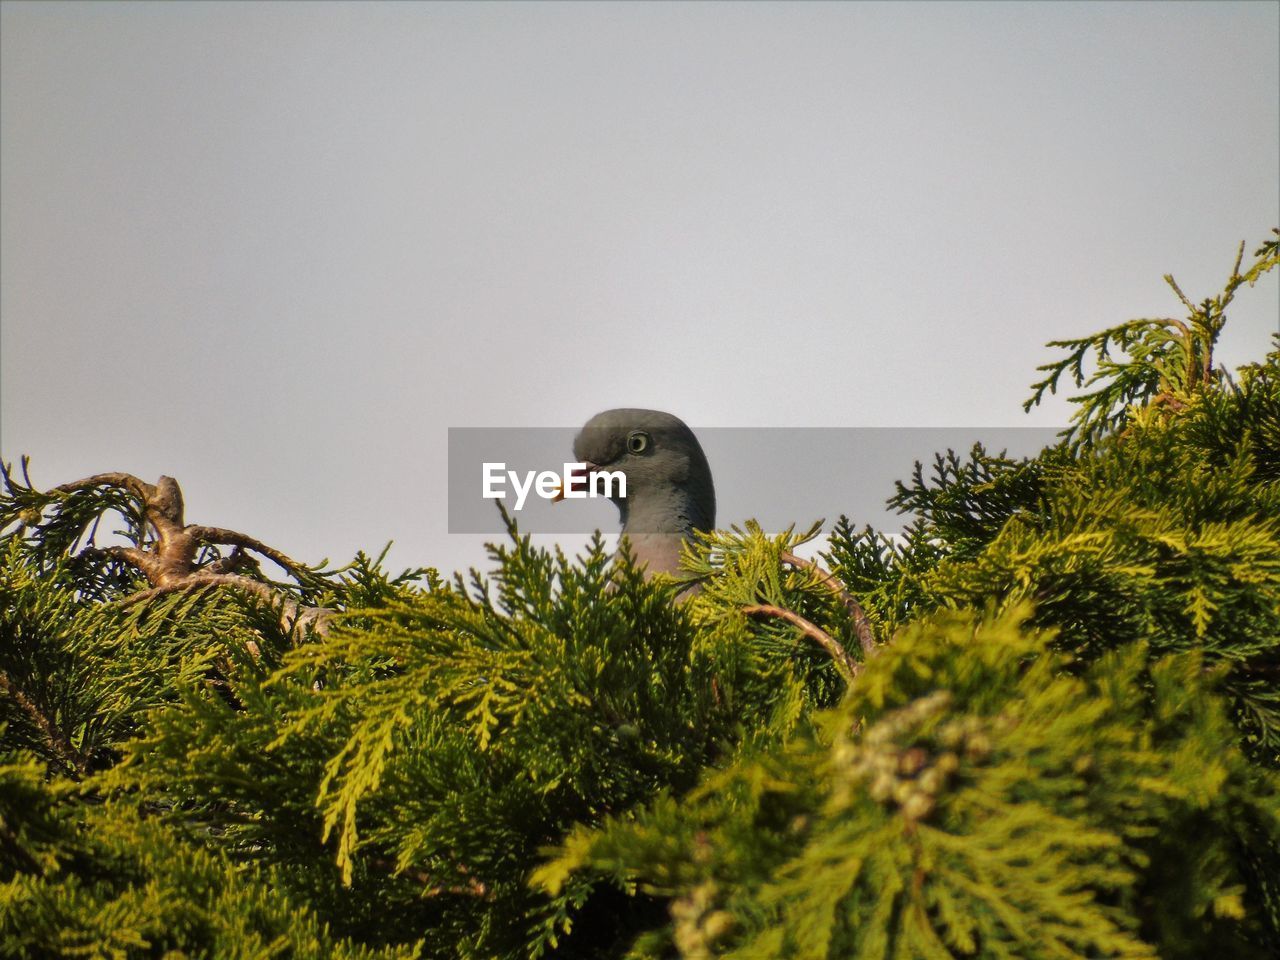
[76,763]
[861,623]
[127,481]
[847,666]
[230,538]
[136,558]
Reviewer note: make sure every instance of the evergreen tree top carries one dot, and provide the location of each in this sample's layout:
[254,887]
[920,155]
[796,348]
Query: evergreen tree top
[1045,722]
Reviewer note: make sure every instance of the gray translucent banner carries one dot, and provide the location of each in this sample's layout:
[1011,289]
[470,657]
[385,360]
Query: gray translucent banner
[778,476]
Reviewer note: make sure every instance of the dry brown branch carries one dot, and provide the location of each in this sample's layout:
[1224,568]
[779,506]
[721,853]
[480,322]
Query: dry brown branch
[127,481]
[230,538]
[169,563]
[847,666]
[76,763]
[861,623]
[136,558]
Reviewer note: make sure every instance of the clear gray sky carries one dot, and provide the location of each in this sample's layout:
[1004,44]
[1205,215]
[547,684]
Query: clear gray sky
[277,249]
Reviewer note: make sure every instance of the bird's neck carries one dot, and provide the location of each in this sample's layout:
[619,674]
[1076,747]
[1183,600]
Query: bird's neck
[656,552]
[657,527]
[669,512]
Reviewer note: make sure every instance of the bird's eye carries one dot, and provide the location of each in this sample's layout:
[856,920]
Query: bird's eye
[637,442]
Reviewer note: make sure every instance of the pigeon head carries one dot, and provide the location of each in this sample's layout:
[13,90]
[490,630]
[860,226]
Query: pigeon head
[669,488]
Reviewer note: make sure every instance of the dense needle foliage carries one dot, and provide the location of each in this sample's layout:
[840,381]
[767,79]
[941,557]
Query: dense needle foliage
[1045,722]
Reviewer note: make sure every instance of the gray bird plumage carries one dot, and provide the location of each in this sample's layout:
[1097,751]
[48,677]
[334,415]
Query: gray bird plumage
[669,489]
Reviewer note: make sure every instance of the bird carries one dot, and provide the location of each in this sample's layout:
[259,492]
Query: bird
[669,491]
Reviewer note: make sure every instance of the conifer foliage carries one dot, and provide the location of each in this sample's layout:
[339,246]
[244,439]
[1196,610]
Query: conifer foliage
[1045,722]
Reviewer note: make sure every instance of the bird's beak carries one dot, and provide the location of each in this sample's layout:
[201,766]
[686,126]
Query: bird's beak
[577,474]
